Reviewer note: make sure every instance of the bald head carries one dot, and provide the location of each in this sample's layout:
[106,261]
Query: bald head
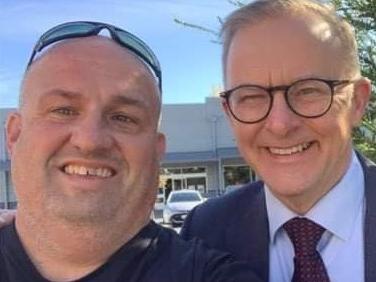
[97,52]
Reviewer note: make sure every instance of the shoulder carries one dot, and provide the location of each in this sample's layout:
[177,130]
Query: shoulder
[192,260]
[235,200]
[369,168]
[210,219]
[365,162]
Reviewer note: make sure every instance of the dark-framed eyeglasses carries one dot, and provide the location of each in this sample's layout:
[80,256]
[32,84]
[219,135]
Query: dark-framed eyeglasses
[308,98]
[86,28]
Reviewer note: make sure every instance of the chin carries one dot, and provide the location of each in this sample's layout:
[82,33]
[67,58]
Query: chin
[82,212]
[288,186]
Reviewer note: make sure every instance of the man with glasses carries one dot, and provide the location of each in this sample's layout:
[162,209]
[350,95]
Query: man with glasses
[85,151]
[293,94]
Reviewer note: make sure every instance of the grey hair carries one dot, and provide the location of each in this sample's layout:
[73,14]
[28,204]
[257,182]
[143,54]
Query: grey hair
[260,10]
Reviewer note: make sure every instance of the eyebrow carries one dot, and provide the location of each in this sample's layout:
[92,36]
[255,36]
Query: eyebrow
[126,100]
[72,95]
[67,94]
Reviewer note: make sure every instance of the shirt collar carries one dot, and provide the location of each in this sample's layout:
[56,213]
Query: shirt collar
[332,210]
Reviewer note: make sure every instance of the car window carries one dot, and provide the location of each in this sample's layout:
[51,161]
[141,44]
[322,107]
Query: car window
[185,197]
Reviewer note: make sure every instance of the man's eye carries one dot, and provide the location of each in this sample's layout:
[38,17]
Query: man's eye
[253,97]
[309,91]
[64,111]
[122,118]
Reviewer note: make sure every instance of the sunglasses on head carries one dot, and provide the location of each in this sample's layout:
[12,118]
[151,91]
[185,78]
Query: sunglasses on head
[85,28]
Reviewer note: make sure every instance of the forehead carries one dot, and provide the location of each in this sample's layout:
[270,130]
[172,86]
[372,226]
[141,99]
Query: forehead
[283,49]
[92,65]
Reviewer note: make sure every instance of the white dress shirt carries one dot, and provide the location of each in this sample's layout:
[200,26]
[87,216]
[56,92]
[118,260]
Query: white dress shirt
[341,213]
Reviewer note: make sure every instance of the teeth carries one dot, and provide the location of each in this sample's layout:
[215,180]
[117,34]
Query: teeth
[289,151]
[87,171]
[82,171]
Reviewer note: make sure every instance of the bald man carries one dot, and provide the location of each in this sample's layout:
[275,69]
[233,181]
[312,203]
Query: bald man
[85,150]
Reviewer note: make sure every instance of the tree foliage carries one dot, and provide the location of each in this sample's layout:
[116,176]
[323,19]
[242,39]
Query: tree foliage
[362,15]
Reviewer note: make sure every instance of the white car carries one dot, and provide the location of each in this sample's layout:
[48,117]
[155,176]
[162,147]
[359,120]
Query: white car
[178,204]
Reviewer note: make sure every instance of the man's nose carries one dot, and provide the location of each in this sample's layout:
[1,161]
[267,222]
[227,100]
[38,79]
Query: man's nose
[91,133]
[281,119]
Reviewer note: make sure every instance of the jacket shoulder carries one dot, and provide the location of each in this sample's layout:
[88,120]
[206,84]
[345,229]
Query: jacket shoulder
[238,199]
[214,214]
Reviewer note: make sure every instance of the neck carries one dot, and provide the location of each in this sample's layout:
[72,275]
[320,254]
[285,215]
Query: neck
[63,251]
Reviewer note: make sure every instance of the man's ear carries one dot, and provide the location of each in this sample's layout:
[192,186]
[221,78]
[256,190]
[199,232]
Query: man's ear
[161,145]
[13,130]
[362,94]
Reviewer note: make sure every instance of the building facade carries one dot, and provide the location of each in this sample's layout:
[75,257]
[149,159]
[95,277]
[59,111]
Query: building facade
[201,152]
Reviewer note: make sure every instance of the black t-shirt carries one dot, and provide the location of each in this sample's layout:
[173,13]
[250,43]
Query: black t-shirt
[155,254]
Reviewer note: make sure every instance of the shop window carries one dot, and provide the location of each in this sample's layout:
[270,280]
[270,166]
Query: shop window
[194,170]
[194,178]
[236,175]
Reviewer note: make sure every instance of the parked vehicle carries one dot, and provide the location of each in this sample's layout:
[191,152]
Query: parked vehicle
[178,204]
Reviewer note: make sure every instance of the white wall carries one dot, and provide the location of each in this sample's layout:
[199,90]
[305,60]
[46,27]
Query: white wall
[196,127]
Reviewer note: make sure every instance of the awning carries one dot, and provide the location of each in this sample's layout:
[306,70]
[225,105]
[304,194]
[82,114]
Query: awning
[202,156]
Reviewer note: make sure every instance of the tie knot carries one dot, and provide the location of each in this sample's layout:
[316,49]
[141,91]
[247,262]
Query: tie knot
[304,235]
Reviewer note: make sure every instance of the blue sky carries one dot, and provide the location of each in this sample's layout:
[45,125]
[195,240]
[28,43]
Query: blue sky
[190,61]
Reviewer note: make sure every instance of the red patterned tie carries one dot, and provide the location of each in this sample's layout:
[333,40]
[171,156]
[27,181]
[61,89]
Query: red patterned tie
[308,265]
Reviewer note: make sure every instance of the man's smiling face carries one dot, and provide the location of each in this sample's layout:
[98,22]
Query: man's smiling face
[300,159]
[85,145]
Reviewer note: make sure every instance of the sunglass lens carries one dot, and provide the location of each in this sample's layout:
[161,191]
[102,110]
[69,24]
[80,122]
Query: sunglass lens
[66,30]
[134,43]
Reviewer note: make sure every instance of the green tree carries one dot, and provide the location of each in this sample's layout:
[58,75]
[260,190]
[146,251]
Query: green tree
[362,15]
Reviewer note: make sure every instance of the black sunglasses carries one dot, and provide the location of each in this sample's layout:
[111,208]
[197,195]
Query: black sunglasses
[84,28]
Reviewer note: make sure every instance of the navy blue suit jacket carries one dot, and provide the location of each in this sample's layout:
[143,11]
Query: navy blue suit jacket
[237,223]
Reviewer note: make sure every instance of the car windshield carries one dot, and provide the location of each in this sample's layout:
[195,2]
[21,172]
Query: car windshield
[185,197]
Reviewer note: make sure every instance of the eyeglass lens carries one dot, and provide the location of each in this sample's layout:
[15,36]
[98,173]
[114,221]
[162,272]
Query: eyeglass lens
[308,98]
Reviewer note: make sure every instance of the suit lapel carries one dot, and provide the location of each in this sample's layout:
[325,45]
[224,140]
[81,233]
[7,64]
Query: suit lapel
[249,232]
[370,220]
